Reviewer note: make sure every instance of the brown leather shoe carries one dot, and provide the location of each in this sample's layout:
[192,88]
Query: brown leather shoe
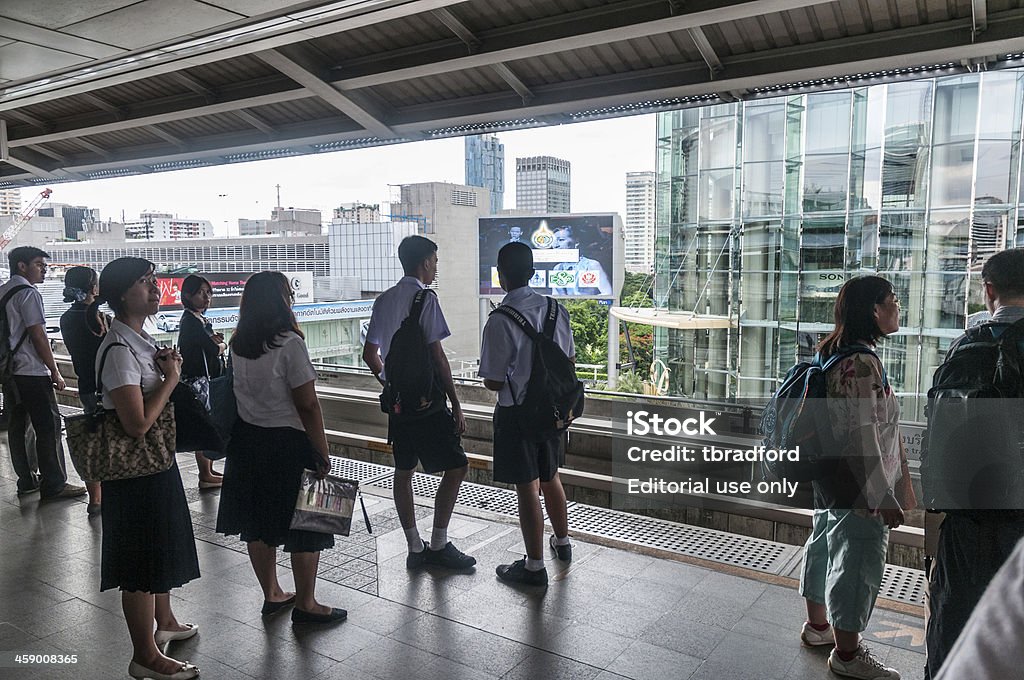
[69,491]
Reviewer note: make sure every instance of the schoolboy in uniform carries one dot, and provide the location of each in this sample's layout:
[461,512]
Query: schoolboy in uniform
[435,440]
[506,357]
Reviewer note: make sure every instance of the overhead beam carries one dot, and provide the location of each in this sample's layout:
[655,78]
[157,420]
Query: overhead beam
[707,52]
[529,46]
[103,104]
[194,84]
[445,16]
[39,148]
[325,91]
[166,136]
[95,148]
[254,120]
[506,74]
[26,118]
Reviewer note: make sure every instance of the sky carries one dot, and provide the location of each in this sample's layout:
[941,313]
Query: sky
[601,153]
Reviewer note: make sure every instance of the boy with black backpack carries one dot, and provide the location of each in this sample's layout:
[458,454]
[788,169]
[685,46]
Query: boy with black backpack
[535,406]
[29,375]
[972,463]
[403,350]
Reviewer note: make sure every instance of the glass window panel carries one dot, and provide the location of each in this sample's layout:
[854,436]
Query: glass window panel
[866,180]
[684,200]
[716,194]
[822,243]
[956,109]
[908,110]
[994,167]
[817,309]
[948,240]
[901,241]
[825,183]
[952,168]
[764,130]
[828,123]
[718,143]
[996,119]
[944,301]
[988,235]
[862,241]
[789,286]
[904,164]
[762,188]
[868,118]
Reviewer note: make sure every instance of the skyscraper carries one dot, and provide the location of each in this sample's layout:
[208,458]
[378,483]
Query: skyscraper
[639,228]
[10,201]
[542,184]
[485,167]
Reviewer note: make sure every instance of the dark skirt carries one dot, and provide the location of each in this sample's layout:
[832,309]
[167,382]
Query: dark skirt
[148,544]
[261,484]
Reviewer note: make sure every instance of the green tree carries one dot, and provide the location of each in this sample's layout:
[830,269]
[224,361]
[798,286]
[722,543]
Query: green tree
[641,335]
[635,284]
[589,322]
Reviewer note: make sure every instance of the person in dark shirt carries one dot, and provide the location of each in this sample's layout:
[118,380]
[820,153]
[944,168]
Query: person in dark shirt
[201,351]
[82,336]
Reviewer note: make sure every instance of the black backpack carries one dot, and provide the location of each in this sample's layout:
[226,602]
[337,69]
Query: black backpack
[6,351]
[411,387]
[797,416]
[972,456]
[554,395]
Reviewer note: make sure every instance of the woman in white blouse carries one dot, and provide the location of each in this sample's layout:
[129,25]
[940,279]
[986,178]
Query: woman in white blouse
[148,546]
[279,433]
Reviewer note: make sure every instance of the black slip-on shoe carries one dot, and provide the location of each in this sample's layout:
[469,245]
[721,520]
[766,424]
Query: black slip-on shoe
[335,616]
[274,607]
[563,552]
[449,557]
[518,573]
[417,559]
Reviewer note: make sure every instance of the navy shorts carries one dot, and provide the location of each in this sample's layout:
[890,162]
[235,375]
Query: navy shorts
[430,441]
[518,461]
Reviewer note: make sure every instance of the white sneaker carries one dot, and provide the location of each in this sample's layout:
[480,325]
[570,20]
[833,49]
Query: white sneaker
[816,638]
[863,666]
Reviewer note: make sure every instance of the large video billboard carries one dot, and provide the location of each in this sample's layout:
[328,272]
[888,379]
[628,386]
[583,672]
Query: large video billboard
[572,254]
[227,288]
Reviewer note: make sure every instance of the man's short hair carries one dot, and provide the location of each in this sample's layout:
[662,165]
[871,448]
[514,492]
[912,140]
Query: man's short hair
[1005,271]
[24,254]
[515,262]
[412,251]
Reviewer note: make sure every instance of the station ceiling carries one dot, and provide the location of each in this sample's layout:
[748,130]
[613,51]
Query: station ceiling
[107,88]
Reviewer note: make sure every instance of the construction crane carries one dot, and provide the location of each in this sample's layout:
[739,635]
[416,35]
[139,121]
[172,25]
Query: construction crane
[22,219]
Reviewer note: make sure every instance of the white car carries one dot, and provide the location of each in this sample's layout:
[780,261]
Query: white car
[168,321]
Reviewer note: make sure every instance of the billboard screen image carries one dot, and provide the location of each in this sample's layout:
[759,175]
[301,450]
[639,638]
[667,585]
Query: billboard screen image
[572,254]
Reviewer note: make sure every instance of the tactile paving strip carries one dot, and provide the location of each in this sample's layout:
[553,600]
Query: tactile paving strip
[684,539]
[494,499]
[358,470]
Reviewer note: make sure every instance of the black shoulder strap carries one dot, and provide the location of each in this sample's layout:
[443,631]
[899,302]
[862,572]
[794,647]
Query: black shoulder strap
[103,361]
[551,319]
[416,310]
[3,311]
[515,315]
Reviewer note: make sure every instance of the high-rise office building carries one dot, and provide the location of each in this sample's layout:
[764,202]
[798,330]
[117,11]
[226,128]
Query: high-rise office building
[639,227]
[543,184]
[766,207]
[166,227]
[10,201]
[485,167]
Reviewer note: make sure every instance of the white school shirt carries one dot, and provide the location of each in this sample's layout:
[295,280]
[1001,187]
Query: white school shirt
[263,387]
[392,308]
[506,353]
[133,366]
[24,310]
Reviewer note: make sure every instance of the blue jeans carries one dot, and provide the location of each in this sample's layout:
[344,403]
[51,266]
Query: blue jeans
[844,561]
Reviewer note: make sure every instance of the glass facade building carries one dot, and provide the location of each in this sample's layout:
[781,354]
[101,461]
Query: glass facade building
[485,167]
[766,207]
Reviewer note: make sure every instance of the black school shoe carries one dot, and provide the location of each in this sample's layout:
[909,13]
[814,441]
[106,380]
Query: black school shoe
[335,616]
[449,557]
[563,552]
[518,573]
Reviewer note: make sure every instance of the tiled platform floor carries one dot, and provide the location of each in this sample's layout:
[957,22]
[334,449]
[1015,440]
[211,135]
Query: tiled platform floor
[613,614]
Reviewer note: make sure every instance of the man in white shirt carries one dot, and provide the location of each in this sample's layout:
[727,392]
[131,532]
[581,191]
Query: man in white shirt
[506,358]
[433,440]
[30,396]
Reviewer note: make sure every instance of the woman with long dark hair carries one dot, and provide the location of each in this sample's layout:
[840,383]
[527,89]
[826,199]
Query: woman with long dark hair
[202,352]
[862,497]
[279,433]
[82,334]
[148,545]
